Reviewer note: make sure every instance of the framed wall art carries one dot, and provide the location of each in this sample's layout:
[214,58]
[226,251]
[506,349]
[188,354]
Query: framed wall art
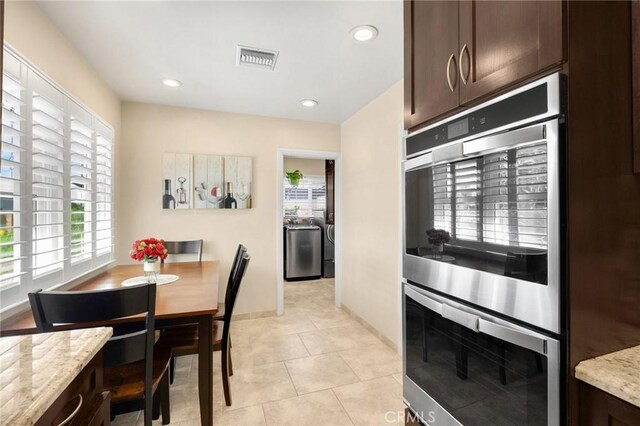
[205,181]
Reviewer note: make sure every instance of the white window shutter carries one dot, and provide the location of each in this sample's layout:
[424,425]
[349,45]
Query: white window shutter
[56,194]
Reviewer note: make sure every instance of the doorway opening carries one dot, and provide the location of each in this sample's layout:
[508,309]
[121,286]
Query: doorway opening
[308,221]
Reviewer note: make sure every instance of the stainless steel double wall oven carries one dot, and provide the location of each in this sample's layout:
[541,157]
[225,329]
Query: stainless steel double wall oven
[482,262]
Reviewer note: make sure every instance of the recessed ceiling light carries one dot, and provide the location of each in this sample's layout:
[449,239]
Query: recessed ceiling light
[309,103]
[364,33]
[171,82]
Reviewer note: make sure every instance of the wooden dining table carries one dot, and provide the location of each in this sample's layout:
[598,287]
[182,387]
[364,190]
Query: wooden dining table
[192,299]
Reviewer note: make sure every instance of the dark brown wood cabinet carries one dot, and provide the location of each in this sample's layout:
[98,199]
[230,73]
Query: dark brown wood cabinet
[635,54]
[330,176]
[460,52]
[598,408]
[504,42]
[430,60]
[83,402]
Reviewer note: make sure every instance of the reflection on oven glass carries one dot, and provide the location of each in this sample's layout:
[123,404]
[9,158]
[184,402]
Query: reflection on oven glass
[494,208]
[479,379]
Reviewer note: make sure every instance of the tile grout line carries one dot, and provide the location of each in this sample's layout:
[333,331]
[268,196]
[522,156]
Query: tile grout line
[291,378]
[350,367]
[342,405]
[304,344]
[264,415]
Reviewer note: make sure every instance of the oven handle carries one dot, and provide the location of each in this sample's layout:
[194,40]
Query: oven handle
[420,162]
[425,301]
[519,337]
[446,311]
[536,133]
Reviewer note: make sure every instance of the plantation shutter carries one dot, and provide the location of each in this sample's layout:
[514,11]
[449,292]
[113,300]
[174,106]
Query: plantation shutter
[82,157]
[56,194]
[49,131]
[104,193]
[13,176]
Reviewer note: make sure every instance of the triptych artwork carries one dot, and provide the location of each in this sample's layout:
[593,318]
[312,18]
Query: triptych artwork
[204,181]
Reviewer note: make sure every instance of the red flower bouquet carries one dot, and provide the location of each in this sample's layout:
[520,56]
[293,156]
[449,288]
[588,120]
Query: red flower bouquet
[148,250]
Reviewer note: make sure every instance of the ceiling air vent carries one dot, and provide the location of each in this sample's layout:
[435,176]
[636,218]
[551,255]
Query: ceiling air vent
[259,58]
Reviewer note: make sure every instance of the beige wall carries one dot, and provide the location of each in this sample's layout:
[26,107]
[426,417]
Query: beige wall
[370,142]
[306,166]
[150,130]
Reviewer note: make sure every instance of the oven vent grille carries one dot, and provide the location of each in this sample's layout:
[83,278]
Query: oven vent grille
[258,58]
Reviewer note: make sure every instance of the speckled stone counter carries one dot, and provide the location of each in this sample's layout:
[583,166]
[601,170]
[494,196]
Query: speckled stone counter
[617,373]
[35,369]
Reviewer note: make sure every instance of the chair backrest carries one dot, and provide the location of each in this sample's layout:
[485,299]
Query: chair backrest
[184,247]
[235,288]
[234,267]
[79,309]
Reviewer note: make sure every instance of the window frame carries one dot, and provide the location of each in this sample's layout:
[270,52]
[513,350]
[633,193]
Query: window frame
[310,183]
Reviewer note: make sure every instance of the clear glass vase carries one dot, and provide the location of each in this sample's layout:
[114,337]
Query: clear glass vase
[436,250]
[151,270]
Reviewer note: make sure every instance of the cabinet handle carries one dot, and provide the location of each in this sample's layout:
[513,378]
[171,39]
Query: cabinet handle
[464,48]
[451,58]
[75,412]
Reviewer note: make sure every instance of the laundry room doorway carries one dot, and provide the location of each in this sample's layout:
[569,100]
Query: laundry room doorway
[307,229]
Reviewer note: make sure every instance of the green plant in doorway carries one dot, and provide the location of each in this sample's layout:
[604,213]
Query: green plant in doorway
[294,177]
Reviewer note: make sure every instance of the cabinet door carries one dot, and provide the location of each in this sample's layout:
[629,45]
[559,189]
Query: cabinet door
[598,408]
[503,42]
[431,44]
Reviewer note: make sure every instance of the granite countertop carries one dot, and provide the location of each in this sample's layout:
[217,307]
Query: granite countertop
[617,373]
[35,369]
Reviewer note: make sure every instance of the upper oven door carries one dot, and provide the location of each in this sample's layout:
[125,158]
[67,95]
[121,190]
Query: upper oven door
[482,222]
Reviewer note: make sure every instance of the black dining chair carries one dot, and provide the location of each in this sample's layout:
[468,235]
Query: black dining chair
[135,373]
[184,247]
[240,251]
[184,340]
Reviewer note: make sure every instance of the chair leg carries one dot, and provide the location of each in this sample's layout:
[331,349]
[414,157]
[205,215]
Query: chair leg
[225,375]
[165,404]
[230,361]
[172,369]
[148,410]
[156,406]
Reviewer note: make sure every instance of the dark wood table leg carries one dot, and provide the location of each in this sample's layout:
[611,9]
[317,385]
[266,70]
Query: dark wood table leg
[205,369]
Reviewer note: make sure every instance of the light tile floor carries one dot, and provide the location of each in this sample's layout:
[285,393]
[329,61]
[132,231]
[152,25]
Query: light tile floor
[315,365]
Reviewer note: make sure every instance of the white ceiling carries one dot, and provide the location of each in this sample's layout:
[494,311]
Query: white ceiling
[135,45]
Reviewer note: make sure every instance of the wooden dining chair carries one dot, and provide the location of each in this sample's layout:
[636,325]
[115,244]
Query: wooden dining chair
[240,251]
[184,247]
[135,373]
[184,340]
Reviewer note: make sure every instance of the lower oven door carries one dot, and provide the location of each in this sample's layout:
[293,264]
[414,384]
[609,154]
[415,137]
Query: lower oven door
[464,367]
